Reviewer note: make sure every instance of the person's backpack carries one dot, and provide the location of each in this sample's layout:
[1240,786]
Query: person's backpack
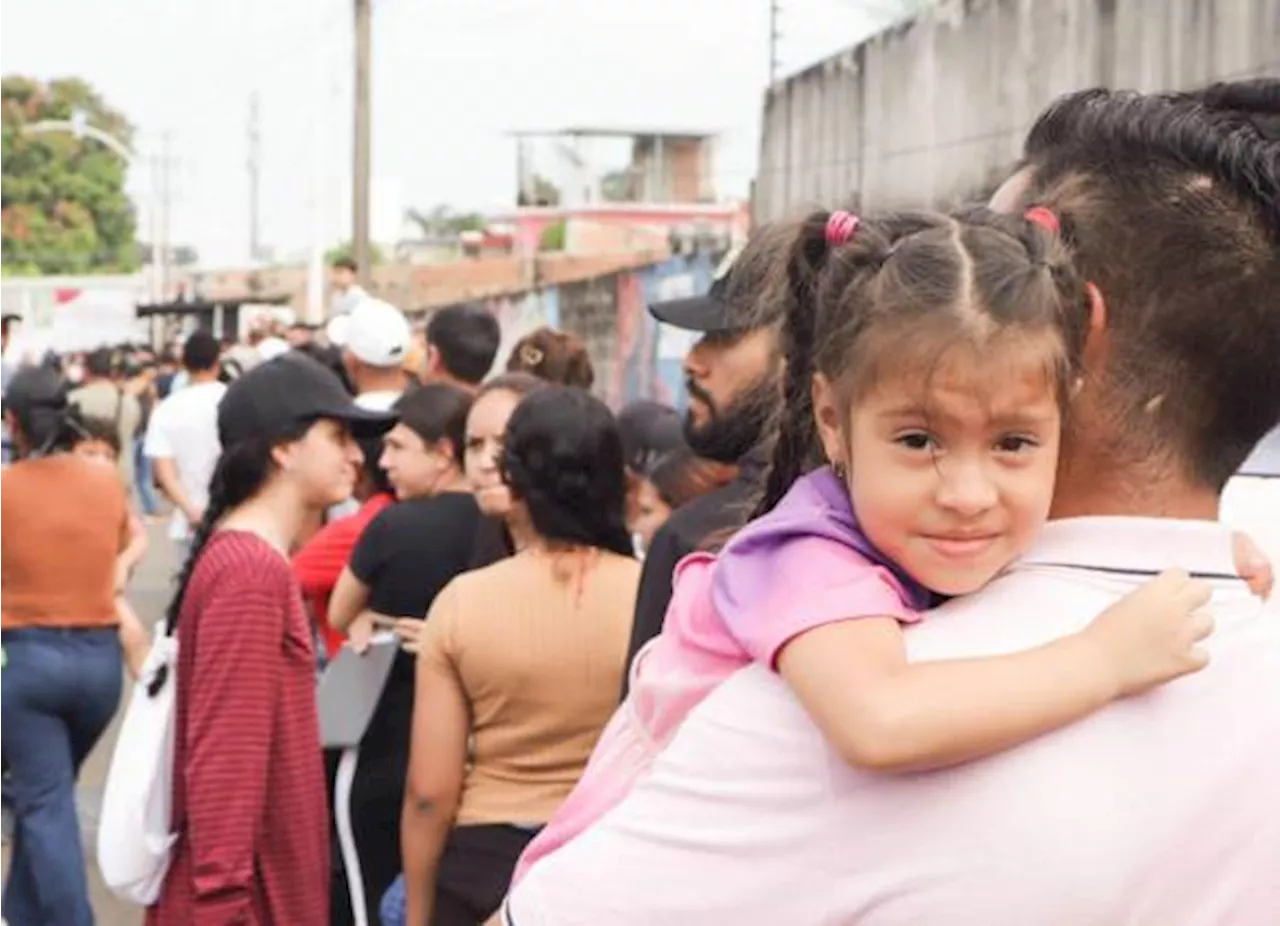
[135,836]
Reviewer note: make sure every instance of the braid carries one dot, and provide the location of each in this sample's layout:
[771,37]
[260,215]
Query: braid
[797,433]
[239,474]
[213,512]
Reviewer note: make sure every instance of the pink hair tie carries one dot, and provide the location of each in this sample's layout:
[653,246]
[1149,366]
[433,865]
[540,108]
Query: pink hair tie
[842,226]
[1045,218]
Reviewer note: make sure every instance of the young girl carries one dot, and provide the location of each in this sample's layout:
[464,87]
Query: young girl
[248,781]
[930,361]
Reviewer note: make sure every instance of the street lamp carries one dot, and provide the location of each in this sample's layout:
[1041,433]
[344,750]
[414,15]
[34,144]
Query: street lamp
[78,126]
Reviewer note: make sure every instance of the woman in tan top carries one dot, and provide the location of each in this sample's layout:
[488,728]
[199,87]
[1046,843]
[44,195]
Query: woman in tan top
[519,663]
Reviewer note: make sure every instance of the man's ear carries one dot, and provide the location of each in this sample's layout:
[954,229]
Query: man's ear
[1095,339]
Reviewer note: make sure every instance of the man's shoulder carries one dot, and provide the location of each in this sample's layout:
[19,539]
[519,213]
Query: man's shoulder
[717,510]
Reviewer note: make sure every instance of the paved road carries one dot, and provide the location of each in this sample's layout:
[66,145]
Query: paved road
[150,595]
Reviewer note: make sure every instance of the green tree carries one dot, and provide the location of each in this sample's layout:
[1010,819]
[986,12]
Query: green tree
[347,249]
[442,220]
[552,237]
[63,200]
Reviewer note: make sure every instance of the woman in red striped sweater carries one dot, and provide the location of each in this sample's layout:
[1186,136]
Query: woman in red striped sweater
[248,780]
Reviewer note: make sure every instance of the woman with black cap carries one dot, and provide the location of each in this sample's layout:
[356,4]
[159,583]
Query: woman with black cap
[67,519]
[248,780]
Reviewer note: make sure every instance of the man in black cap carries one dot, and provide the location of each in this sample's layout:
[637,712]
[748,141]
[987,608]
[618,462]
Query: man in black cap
[733,376]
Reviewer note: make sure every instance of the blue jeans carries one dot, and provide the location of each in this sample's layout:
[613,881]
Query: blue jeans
[60,690]
[142,477]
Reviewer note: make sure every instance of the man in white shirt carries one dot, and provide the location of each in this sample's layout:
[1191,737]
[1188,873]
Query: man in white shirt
[375,339]
[182,439]
[347,293]
[1161,809]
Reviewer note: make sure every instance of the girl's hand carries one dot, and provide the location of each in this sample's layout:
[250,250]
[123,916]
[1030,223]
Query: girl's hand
[1253,565]
[409,630]
[360,633]
[1150,636]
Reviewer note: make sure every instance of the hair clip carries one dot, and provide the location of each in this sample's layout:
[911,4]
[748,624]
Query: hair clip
[531,355]
[841,226]
[1045,218]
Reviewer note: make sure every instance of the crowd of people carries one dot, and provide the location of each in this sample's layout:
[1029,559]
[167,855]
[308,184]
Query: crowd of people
[922,612]
[410,484]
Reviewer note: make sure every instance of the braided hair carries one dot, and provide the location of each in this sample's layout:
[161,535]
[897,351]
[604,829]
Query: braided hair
[854,304]
[563,458]
[240,472]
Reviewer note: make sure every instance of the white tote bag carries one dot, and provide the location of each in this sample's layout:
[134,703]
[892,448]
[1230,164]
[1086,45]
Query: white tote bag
[135,838]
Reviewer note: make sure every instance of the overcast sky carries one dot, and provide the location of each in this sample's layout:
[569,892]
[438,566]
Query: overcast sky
[450,79]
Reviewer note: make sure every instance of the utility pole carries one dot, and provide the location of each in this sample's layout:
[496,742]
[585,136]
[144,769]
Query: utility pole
[255,172]
[362,163]
[775,9]
[163,247]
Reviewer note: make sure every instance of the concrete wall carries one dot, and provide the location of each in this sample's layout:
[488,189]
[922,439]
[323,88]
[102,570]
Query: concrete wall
[935,110]
[633,356]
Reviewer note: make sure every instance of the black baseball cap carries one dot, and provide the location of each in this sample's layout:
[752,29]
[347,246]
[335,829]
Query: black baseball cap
[38,386]
[277,396]
[650,432]
[713,311]
[743,294]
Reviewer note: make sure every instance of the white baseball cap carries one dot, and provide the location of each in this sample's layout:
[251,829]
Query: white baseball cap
[376,332]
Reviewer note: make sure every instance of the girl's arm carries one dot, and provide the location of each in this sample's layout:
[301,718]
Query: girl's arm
[437,759]
[349,598]
[886,714]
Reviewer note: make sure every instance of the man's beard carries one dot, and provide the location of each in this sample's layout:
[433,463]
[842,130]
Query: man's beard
[730,434]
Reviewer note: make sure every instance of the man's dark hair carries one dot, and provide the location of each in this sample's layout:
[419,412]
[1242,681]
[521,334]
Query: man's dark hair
[1257,100]
[345,263]
[467,337]
[100,362]
[200,352]
[7,320]
[1172,210]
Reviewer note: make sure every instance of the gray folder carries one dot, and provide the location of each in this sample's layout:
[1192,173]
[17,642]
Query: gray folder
[350,689]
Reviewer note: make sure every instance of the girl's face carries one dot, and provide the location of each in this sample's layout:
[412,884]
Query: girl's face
[323,463]
[647,511]
[951,480]
[415,468]
[486,425]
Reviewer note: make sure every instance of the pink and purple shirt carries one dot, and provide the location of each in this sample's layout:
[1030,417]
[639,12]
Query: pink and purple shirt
[803,565]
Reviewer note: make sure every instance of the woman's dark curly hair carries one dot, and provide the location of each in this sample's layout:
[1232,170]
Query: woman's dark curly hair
[563,458]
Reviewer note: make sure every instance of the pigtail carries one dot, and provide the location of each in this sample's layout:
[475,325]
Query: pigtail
[797,434]
[240,472]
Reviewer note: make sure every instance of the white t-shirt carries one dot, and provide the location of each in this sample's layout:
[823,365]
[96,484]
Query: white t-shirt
[343,302]
[184,428]
[380,400]
[1159,809]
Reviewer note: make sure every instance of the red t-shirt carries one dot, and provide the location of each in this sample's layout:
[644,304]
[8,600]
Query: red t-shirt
[248,775]
[319,563]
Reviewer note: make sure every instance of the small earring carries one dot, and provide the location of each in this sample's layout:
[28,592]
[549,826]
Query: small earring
[841,471]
